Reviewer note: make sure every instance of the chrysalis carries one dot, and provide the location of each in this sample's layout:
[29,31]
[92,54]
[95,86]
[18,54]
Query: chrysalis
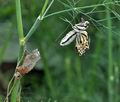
[28,64]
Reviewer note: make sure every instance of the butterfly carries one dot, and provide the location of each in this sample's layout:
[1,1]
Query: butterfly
[80,34]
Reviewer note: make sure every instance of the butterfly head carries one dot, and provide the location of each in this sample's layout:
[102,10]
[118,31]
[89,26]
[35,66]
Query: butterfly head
[83,25]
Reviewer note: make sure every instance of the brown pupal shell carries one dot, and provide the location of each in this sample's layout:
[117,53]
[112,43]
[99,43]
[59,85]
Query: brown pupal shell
[29,62]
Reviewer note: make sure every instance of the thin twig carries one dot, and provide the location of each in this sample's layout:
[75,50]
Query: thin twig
[8,88]
[78,8]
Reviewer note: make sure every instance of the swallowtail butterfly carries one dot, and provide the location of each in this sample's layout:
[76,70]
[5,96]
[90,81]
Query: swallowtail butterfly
[80,34]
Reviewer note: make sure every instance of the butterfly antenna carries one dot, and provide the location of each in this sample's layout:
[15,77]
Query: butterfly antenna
[82,20]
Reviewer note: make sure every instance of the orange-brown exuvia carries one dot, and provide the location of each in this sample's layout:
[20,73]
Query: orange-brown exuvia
[28,64]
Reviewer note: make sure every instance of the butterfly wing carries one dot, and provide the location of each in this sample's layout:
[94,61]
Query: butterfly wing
[68,38]
[82,42]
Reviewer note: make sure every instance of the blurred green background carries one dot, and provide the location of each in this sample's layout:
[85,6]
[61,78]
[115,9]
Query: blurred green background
[62,75]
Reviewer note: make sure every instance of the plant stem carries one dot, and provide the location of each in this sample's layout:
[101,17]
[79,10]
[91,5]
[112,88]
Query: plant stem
[4,47]
[16,84]
[110,64]
[116,68]
[38,20]
[47,9]
[93,78]
[19,22]
[78,68]
[15,93]
[77,8]
[80,77]
[48,75]
[69,73]
[44,8]
[33,29]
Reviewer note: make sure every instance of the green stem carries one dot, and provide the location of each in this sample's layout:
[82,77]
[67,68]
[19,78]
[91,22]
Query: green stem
[80,77]
[15,92]
[19,22]
[110,64]
[116,73]
[78,67]
[38,20]
[44,8]
[47,9]
[21,54]
[48,76]
[20,28]
[4,47]
[33,29]
[77,8]
[93,78]
[69,73]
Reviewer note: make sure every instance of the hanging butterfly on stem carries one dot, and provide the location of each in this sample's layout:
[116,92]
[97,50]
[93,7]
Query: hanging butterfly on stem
[80,34]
